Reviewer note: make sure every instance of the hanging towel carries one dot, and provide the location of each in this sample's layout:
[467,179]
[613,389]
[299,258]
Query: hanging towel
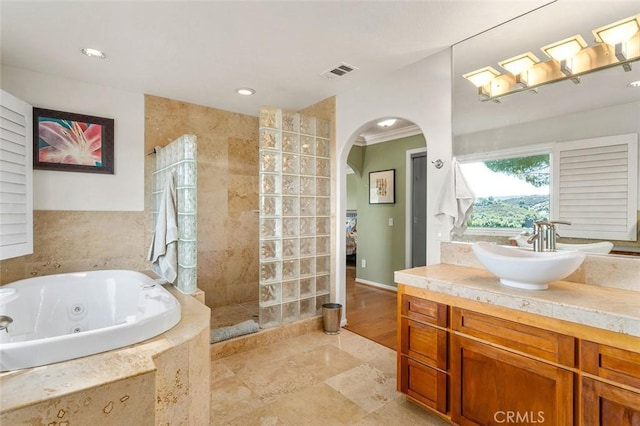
[455,200]
[163,252]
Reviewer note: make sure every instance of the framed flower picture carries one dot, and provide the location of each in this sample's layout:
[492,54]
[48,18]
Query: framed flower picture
[72,142]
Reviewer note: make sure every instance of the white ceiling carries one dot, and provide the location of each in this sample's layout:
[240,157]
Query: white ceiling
[200,52]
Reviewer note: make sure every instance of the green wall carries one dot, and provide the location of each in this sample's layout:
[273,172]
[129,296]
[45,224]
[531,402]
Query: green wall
[381,245]
[352,191]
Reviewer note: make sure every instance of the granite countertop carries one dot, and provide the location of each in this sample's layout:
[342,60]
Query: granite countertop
[612,309]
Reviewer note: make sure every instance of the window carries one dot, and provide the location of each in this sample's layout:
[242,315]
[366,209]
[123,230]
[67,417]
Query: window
[511,192]
[592,183]
[16,188]
[596,187]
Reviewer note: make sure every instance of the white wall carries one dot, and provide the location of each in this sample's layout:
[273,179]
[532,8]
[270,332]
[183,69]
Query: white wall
[420,93]
[56,190]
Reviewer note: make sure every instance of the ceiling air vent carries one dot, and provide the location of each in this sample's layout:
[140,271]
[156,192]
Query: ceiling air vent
[339,71]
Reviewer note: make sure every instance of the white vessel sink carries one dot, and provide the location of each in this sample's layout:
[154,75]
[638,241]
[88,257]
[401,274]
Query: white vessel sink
[527,269]
[602,247]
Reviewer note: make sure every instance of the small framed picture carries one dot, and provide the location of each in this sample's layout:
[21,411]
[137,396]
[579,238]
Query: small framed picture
[382,187]
[72,142]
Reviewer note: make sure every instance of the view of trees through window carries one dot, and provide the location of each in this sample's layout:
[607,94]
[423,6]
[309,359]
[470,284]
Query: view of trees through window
[510,192]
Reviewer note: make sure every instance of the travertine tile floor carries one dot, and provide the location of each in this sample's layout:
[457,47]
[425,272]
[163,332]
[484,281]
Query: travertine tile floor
[312,379]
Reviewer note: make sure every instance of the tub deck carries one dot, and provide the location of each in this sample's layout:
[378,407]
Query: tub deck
[117,387]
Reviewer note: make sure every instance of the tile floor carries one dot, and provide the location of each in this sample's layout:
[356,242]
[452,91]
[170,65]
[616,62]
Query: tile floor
[312,379]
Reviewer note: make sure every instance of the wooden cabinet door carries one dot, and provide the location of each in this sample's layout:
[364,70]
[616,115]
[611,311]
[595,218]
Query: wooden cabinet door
[491,386]
[608,405]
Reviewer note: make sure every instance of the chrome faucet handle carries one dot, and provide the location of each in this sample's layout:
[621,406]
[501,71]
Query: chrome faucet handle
[559,222]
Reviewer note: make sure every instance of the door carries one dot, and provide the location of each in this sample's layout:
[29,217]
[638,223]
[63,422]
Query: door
[492,386]
[604,404]
[419,209]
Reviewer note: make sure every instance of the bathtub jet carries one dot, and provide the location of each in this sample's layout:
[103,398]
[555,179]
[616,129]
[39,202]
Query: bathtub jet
[67,316]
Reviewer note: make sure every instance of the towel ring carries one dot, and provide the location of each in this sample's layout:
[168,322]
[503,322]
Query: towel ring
[438,163]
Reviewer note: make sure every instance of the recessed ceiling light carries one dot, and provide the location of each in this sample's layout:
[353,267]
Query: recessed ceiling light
[634,84]
[387,123]
[245,91]
[93,53]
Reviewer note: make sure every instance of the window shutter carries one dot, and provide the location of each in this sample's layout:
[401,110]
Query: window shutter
[595,187]
[16,177]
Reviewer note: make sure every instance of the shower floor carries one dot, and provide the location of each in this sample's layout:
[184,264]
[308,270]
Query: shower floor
[225,316]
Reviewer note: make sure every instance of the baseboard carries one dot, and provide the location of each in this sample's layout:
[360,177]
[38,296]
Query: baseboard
[375,284]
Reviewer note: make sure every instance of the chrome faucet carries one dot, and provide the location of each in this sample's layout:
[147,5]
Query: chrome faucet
[544,235]
[5,321]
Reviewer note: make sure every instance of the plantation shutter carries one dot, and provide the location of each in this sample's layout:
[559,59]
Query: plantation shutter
[595,187]
[16,185]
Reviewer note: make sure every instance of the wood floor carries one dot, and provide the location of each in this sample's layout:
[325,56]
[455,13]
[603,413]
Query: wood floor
[371,312]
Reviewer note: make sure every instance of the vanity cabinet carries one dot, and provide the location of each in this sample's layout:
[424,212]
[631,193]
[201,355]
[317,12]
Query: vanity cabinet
[423,352]
[611,386]
[478,364]
[502,370]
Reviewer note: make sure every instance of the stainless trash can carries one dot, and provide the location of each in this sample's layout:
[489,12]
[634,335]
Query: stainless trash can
[331,314]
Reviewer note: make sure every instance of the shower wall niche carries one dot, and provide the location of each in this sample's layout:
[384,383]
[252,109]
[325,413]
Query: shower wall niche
[295,209]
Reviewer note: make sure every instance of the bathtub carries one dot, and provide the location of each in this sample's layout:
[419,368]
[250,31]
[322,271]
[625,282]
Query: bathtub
[66,316]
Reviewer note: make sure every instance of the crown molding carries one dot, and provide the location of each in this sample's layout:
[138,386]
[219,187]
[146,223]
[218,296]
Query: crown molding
[360,141]
[390,135]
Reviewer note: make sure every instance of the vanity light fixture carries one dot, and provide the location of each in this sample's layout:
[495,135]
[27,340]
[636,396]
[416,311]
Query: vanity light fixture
[481,79]
[617,44]
[519,66]
[564,51]
[93,53]
[245,91]
[387,123]
[520,63]
[617,35]
[482,76]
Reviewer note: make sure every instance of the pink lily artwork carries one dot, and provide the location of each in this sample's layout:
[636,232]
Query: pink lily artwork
[72,142]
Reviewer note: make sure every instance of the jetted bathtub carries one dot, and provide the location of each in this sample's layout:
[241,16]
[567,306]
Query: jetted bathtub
[66,316]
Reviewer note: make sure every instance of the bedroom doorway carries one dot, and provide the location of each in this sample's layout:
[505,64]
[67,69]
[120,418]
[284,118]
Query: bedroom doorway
[376,232]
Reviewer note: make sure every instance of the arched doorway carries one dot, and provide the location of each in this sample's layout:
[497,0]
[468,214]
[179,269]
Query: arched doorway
[382,240]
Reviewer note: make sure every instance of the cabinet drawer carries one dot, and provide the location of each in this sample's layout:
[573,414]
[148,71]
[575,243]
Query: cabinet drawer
[611,363]
[425,343]
[548,345]
[425,384]
[424,310]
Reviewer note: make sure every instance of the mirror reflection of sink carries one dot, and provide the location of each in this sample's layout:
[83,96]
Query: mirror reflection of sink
[602,247]
[525,268]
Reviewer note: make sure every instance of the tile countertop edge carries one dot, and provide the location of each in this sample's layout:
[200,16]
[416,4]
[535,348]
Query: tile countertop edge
[567,301]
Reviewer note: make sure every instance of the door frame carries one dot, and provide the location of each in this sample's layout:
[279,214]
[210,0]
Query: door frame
[408,204]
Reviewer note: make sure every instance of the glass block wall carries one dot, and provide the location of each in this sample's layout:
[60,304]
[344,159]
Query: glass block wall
[295,209]
[178,160]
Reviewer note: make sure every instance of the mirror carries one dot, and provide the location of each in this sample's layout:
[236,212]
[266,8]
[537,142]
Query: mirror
[601,105]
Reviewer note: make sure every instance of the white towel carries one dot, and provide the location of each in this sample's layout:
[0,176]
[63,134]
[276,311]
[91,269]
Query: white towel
[455,200]
[163,252]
